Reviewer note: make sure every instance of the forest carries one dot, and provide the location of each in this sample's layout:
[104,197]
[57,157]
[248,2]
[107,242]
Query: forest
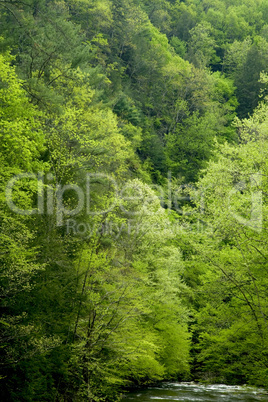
[134,196]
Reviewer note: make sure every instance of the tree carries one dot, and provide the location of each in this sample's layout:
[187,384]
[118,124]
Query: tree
[201,46]
[232,318]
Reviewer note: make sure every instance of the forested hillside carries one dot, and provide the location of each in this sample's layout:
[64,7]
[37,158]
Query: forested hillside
[133,175]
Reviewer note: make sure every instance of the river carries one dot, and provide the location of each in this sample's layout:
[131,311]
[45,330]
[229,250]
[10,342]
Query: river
[186,391]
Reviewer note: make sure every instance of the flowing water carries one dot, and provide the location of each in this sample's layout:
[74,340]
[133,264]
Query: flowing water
[188,391]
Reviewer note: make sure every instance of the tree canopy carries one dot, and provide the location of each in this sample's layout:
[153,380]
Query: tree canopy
[133,176]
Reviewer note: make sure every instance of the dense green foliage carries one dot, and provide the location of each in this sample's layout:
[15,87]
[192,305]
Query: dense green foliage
[133,176]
